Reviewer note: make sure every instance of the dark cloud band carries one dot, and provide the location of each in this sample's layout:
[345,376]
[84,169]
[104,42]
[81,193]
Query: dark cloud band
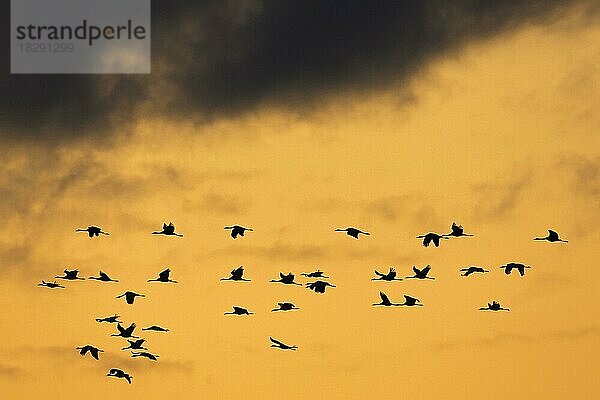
[216,58]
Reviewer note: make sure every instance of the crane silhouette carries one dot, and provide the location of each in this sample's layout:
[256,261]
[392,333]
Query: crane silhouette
[494,306]
[280,345]
[70,275]
[421,273]
[472,269]
[92,231]
[168,230]
[390,276]
[125,332]
[90,349]
[117,373]
[239,311]
[431,237]
[155,328]
[286,279]
[237,275]
[352,232]
[318,286]
[315,274]
[147,355]
[385,301]
[51,285]
[518,266]
[135,344]
[410,301]
[457,231]
[285,307]
[237,230]
[130,296]
[102,276]
[112,319]
[163,276]
[552,237]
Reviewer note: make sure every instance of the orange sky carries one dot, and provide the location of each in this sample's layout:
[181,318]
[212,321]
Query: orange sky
[501,137]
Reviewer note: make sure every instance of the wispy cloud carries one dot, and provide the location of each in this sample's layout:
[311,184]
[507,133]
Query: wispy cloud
[496,199]
[506,338]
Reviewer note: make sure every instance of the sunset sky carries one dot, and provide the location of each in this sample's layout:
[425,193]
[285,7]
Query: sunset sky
[296,118]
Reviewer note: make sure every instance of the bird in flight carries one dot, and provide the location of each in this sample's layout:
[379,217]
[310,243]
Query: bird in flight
[237,230]
[130,296]
[319,286]
[147,355]
[494,306]
[390,276]
[117,373]
[168,230]
[110,320]
[385,301]
[472,269]
[353,232]
[315,274]
[163,277]
[457,231]
[103,276]
[51,285]
[89,349]
[552,237]
[155,328]
[421,273]
[410,301]
[93,231]
[285,307]
[135,344]
[238,311]
[431,237]
[518,266]
[70,275]
[237,275]
[280,345]
[125,332]
[286,279]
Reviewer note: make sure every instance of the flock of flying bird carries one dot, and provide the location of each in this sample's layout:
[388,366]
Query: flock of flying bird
[318,285]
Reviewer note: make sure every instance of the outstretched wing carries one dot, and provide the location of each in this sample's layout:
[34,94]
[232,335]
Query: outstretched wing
[384,297]
[164,274]
[130,328]
[416,270]
[426,269]
[277,342]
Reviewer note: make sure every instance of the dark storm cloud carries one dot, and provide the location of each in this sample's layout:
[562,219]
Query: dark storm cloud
[215,58]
